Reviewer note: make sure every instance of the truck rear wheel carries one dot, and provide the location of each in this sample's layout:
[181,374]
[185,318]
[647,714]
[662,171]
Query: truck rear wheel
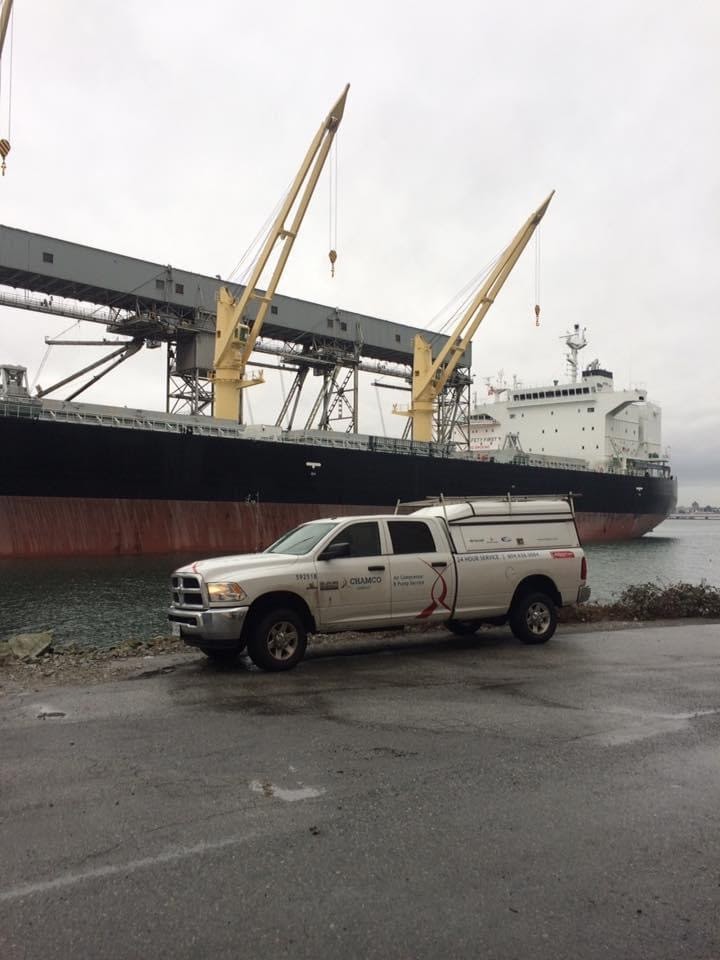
[533,618]
[277,641]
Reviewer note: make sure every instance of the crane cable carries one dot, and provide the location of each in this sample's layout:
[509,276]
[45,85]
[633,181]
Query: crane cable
[333,205]
[241,271]
[5,143]
[537,276]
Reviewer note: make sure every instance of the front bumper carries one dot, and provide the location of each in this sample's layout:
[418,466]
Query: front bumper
[583,594]
[208,628]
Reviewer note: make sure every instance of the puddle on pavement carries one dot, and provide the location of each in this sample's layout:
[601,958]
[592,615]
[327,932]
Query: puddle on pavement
[647,725]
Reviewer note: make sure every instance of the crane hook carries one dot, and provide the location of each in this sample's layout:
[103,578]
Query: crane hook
[4,151]
[332,256]
[537,314]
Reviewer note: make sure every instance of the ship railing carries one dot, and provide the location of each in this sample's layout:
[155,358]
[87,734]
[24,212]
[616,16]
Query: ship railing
[25,409]
[31,408]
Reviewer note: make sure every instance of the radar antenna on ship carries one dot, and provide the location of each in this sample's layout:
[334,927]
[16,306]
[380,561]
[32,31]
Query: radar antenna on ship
[574,341]
[498,386]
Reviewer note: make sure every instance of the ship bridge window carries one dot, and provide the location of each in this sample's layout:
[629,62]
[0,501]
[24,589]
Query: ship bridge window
[591,409]
[542,396]
[564,393]
[48,257]
[586,389]
[534,396]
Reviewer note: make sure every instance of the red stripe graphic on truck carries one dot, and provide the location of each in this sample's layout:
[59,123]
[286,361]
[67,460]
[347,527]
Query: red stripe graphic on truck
[435,602]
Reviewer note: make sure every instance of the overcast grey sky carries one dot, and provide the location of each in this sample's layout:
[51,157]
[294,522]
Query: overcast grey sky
[168,131]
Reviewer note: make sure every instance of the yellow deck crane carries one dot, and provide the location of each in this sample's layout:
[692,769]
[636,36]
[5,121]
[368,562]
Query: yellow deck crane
[237,333]
[430,377]
[5,12]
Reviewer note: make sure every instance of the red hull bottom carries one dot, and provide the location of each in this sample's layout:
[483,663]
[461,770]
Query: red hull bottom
[65,526]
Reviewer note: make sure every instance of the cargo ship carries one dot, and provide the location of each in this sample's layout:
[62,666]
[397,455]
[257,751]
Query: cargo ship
[84,479]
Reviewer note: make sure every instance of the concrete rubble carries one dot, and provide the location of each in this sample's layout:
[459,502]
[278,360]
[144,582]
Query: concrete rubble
[29,646]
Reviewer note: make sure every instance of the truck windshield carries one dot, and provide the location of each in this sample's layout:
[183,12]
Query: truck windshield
[301,540]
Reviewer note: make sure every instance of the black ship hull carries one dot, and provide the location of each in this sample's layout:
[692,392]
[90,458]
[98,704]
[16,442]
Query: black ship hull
[79,488]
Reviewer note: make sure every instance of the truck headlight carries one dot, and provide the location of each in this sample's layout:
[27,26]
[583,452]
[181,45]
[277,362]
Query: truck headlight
[225,592]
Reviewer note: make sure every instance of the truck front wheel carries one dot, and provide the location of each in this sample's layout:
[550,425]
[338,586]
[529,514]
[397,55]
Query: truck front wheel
[533,618]
[277,640]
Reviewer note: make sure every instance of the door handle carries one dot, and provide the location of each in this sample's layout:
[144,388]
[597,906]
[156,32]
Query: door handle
[376,568]
[439,563]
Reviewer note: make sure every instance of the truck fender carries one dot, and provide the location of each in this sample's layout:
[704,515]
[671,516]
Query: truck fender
[537,583]
[276,599]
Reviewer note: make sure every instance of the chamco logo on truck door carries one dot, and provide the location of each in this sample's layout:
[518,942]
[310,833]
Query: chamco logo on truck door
[362,583]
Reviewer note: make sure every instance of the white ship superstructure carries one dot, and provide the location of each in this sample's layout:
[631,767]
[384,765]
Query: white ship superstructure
[584,420]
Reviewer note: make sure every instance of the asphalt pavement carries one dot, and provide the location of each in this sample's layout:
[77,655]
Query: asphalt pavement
[443,798]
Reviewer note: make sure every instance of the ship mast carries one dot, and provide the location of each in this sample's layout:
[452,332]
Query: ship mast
[574,341]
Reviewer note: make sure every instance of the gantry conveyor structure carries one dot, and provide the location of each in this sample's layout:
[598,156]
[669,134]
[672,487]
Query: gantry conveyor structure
[149,304]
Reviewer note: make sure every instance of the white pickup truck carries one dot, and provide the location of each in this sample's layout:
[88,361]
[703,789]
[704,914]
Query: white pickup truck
[459,563]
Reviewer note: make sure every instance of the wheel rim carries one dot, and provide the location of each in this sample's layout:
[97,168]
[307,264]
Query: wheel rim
[282,640]
[538,618]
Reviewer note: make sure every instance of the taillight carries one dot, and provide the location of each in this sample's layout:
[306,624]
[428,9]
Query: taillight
[583,569]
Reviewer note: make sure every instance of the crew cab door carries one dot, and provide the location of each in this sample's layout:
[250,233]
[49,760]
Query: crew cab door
[354,590]
[423,573]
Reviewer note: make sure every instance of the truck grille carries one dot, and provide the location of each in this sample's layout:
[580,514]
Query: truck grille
[187,591]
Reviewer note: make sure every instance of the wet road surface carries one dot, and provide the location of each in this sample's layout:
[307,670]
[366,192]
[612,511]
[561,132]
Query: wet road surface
[471,798]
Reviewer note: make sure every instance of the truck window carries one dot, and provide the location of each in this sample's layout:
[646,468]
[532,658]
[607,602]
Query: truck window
[411,536]
[302,539]
[364,539]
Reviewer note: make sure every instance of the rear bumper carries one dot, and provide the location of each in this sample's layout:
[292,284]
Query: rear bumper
[208,628]
[583,594]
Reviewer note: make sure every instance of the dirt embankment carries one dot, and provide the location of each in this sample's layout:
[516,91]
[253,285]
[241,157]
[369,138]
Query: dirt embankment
[69,665]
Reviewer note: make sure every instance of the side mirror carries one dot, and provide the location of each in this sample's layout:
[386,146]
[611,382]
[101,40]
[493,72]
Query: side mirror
[334,551]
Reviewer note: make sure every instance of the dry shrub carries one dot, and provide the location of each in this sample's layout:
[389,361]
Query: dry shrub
[651,601]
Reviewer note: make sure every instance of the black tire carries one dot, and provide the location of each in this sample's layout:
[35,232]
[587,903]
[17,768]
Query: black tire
[463,628]
[223,658]
[533,618]
[277,640]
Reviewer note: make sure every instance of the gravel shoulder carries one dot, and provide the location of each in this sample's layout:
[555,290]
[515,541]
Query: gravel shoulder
[134,660]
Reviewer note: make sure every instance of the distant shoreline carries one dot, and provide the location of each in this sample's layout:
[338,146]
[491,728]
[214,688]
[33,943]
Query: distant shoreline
[693,516]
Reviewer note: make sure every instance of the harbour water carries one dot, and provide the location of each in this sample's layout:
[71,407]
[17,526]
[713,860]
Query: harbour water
[101,601]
